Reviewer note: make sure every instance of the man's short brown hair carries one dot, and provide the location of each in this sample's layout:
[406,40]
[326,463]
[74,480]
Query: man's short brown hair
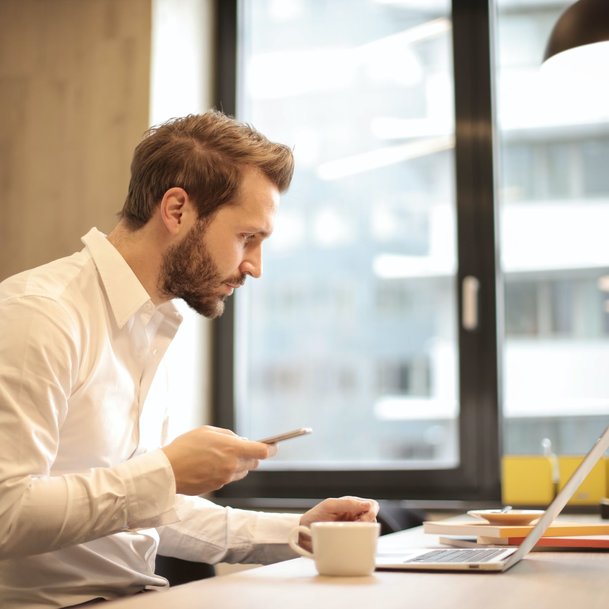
[204,154]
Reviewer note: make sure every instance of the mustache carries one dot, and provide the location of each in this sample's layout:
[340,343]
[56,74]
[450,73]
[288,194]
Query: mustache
[237,281]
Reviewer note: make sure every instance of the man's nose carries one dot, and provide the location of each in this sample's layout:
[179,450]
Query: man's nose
[252,263]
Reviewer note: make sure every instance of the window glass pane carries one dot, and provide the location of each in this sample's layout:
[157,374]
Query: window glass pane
[352,329]
[595,154]
[554,213]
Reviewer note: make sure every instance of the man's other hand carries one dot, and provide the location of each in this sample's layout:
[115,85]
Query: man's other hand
[352,509]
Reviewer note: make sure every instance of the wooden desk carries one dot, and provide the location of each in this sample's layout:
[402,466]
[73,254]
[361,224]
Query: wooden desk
[544,580]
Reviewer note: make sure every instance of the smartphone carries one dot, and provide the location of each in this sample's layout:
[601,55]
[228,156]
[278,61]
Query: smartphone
[301,431]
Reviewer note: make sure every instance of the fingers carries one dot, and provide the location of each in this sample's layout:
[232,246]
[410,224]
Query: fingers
[368,516]
[245,469]
[257,450]
[354,506]
[353,509]
[249,448]
[272,450]
[221,430]
[244,447]
[369,507]
[243,457]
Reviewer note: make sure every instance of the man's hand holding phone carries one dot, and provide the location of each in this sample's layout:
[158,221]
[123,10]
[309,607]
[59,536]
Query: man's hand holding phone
[207,458]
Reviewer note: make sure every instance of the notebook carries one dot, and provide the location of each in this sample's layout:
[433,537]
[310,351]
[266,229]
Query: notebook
[493,559]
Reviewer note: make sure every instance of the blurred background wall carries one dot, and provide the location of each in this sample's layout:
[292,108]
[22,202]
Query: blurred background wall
[74,101]
[80,82]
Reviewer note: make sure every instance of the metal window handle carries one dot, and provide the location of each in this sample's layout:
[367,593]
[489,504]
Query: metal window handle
[469,294]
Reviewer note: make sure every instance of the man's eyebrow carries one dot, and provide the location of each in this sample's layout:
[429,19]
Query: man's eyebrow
[264,233]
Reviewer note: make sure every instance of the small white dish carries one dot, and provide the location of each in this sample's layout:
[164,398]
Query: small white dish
[515,517]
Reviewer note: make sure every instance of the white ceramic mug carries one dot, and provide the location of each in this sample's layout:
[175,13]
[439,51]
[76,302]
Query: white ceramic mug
[340,548]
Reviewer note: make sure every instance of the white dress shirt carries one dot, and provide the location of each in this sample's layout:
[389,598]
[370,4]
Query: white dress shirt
[87,497]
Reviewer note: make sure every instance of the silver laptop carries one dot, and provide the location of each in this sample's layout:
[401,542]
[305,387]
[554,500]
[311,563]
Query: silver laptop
[493,559]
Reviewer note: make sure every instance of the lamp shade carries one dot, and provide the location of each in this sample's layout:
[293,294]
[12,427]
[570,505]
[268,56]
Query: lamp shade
[585,22]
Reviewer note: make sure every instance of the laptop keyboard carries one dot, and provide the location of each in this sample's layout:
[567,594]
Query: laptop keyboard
[448,556]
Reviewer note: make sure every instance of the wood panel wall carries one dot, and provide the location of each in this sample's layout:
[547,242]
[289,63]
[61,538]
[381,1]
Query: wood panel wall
[74,99]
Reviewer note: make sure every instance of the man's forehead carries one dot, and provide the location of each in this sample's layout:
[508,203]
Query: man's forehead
[253,215]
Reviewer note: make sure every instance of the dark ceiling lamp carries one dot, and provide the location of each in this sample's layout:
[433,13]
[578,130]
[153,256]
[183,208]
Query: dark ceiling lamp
[583,23]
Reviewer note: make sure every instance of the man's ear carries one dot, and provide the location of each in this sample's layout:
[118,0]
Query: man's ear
[173,208]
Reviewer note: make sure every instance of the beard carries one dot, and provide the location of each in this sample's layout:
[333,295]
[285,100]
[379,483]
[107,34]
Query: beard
[189,272]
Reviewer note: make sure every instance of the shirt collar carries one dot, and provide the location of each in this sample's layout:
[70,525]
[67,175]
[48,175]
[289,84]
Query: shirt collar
[126,295]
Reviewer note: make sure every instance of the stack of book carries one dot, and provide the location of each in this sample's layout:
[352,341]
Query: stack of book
[560,534]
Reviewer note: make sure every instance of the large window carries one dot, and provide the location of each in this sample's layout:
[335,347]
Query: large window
[553,194]
[352,330]
[379,320]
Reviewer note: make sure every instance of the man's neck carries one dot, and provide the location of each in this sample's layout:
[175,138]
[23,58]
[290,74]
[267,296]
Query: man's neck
[142,252]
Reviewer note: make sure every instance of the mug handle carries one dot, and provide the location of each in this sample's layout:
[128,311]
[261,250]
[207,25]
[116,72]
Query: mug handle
[293,540]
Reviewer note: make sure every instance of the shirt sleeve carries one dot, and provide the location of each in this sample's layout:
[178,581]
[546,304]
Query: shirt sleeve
[40,512]
[210,533]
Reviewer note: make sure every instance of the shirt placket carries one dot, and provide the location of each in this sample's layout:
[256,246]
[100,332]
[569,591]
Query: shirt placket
[158,333]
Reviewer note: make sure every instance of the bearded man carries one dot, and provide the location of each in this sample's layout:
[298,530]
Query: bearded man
[90,490]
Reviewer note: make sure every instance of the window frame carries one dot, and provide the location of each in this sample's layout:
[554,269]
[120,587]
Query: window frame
[477,476]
